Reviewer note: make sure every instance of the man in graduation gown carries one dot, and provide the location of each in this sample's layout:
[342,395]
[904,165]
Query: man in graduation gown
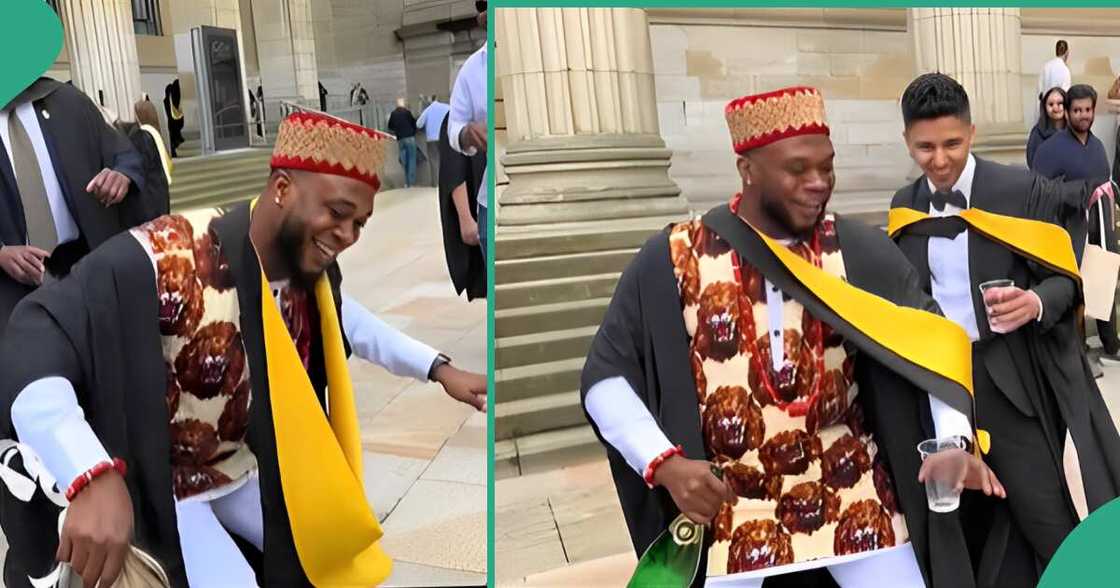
[207,352]
[67,180]
[968,221]
[460,177]
[792,349]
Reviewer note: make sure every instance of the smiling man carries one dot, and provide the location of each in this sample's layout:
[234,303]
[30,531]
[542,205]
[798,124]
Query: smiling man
[968,221]
[746,341]
[187,388]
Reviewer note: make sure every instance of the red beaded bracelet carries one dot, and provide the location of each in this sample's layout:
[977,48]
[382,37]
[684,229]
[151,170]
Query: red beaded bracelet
[651,469]
[86,477]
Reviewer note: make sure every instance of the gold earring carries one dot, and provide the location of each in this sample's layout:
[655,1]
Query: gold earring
[748,180]
[276,199]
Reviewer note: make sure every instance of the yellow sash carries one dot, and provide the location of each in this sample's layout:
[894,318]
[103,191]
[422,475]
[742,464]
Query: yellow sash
[175,112]
[923,338]
[335,531]
[168,167]
[1042,242]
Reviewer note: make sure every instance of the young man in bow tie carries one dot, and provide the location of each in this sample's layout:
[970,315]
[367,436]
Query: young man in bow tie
[968,221]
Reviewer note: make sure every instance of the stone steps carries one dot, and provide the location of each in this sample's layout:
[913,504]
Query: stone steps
[538,452]
[554,291]
[549,317]
[533,415]
[542,347]
[536,380]
[219,180]
[563,238]
[561,266]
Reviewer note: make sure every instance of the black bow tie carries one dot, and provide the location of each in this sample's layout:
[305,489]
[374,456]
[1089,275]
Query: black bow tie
[939,199]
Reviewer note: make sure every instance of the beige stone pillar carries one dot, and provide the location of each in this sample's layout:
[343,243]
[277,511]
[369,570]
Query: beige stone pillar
[102,45]
[286,50]
[980,48]
[581,117]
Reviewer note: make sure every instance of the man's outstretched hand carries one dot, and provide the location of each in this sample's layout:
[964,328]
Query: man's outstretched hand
[463,386]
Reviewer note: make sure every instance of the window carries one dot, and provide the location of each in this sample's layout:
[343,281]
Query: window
[145,17]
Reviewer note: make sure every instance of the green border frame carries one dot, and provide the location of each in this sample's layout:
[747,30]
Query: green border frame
[491,223]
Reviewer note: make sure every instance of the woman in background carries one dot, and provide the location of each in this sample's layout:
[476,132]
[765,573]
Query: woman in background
[145,136]
[1051,119]
[175,122]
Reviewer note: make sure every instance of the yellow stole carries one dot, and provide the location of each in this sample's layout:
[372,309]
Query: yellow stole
[1042,242]
[168,166]
[923,338]
[335,531]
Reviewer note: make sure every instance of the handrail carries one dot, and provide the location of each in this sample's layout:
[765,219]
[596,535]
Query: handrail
[288,107]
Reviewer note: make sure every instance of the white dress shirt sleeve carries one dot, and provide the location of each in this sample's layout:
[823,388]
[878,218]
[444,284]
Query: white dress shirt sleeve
[375,341]
[47,418]
[626,423]
[948,421]
[462,106]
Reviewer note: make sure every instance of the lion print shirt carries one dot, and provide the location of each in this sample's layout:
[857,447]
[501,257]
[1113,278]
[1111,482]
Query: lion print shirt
[208,391]
[811,482]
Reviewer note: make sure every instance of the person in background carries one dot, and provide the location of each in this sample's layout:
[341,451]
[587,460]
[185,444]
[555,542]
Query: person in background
[1078,154]
[403,125]
[460,177]
[63,175]
[431,121]
[322,97]
[1055,73]
[171,97]
[144,134]
[1051,119]
[358,95]
[467,128]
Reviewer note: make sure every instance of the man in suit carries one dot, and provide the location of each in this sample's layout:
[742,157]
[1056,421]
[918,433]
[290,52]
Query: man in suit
[970,221]
[62,174]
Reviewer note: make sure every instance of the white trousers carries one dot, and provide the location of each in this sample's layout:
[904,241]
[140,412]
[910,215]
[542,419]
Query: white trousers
[211,557]
[899,565]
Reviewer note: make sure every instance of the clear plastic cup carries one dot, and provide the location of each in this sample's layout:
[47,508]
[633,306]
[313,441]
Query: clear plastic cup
[987,309]
[941,496]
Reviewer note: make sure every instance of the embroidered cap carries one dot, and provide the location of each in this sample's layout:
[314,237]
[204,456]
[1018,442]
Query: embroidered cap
[761,119]
[328,145]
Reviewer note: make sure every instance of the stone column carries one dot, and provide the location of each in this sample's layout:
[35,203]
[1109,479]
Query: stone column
[102,44]
[980,48]
[581,115]
[286,50]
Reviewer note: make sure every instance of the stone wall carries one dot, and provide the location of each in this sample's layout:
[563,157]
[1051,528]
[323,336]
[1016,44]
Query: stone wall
[700,67]
[861,59]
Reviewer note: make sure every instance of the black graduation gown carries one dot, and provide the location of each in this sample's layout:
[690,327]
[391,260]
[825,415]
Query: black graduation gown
[1040,368]
[99,329]
[80,144]
[465,262]
[171,97]
[643,339]
[155,200]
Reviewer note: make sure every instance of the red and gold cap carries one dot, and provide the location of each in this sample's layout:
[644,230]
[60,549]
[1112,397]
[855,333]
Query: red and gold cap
[761,119]
[328,145]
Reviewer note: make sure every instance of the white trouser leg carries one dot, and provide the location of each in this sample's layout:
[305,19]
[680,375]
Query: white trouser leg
[240,512]
[211,557]
[899,565]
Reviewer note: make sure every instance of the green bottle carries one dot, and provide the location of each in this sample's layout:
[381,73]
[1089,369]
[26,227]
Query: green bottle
[673,559]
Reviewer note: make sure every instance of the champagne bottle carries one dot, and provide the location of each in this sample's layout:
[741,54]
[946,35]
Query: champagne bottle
[673,559]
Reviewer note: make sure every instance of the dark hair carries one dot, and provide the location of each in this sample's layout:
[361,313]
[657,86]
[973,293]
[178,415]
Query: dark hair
[1080,92]
[1061,48]
[934,95]
[1044,121]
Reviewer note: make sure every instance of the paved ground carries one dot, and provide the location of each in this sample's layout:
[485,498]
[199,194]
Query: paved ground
[565,527]
[425,454]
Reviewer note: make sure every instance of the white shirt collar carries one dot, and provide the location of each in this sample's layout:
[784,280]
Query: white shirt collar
[964,183]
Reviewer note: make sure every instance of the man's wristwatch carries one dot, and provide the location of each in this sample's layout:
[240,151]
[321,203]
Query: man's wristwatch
[440,359]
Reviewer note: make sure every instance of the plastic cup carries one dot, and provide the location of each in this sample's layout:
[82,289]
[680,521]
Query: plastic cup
[987,309]
[941,496]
